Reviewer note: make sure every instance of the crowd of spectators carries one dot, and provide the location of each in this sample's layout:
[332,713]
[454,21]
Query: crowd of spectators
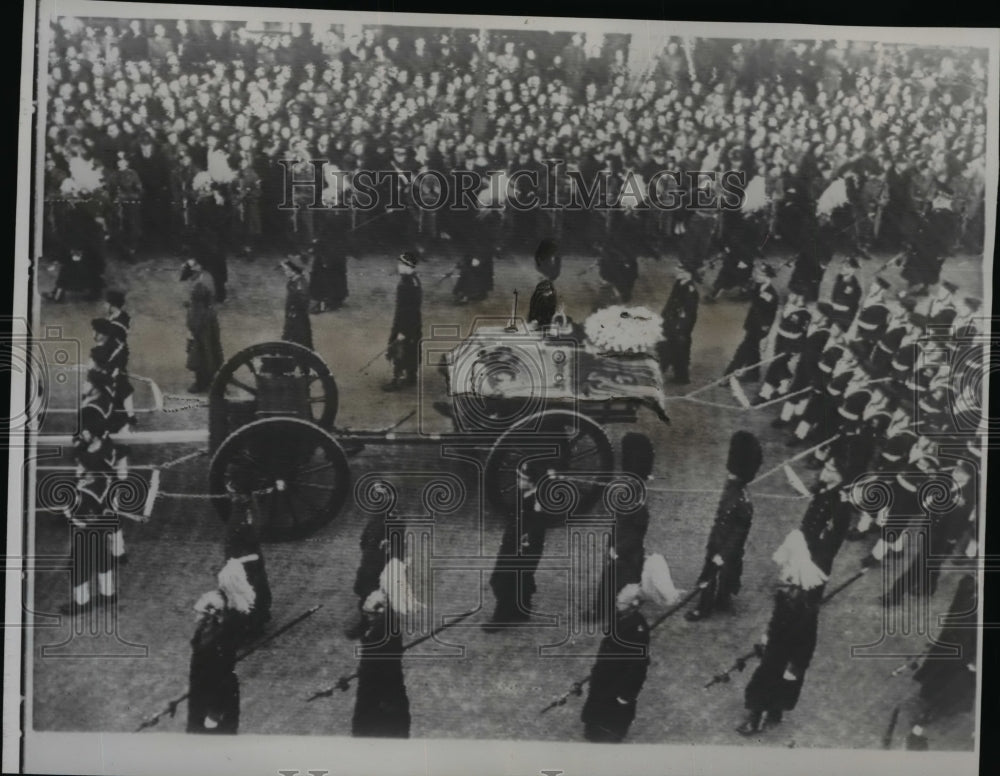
[156,114]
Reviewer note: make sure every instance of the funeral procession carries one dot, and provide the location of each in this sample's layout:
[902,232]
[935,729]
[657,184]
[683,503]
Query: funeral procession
[537,382]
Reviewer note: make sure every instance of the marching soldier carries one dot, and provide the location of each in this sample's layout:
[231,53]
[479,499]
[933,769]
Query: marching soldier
[679,316]
[297,327]
[89,514]
[118,315]
[723,565]
[758,323]
[407,325]
[521,547]
[618,673]
[381,706]
[243,548]
[328,276]
[898,333]
[828,516]
[204,346]
[379,545]
[792,328]
[110,355]
[788,645]
[214,689]
[543,305]
[846,296]
[811,370]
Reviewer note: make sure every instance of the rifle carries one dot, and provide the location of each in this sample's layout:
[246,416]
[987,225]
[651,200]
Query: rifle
[887,738]
[374,358]
[343,683]
[171,708]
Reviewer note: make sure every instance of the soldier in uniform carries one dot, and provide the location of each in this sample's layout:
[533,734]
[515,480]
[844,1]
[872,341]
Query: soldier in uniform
[381,706]
[204,347]
[723,565]
[297,327]
[210,235]
[543,304]
[110,355]
[117,314]
[379,545]
[521,547]
[679,316]
[243,546]
[407,325]
[812,370]
[618,673]
[788,645]
[828,516]
[214,689]
[88,513]
[757,325]
[328,275]
[873,318]
[846,296]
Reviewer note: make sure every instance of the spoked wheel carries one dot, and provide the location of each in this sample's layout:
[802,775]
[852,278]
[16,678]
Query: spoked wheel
[236,382]
[581,452]
[297,473]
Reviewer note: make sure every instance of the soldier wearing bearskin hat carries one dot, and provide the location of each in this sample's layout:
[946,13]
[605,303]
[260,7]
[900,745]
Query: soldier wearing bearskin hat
[758,322]
[787,648]
[618,673]
[723,565]
[407,325]
[543,303]
[214,688]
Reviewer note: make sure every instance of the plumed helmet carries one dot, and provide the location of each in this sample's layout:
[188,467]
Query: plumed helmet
[745,456]
[637,455]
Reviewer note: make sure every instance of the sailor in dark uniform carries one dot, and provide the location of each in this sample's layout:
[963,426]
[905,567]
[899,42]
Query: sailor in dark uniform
[846,295]
[117,314]
[788,645]
[873,318]
[407,325]
[792,327]
[757,325]
[110,355]
[543,300]
[828,516]
[381,706]
[723,565]
[810,371]
[680,314]
[898,332]
[298,328]
[92,527]
[618,673]
[214,689]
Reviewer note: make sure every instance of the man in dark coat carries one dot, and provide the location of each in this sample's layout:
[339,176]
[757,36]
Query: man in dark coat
[381,706]
[154,175]
[846,295]
[214,689]
[204,346]
[757,325]
[544,302]
[948,680]
[407,325]
[379,544]
[679,316]
[619,268]
[328,276]
[243,545]
[828,516]
[209,238]
[297,327]
[723,565]
[521,547]
[618,673]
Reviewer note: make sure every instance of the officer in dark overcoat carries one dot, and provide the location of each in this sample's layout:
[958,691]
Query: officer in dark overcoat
[328,275]
[407,325]
[680,314]
[757,325]
[619,268]
[544,302]
[475,279]
[297,327]
[204,345]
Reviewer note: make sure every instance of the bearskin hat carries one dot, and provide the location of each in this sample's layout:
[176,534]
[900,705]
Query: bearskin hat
[745,456]
[637,455]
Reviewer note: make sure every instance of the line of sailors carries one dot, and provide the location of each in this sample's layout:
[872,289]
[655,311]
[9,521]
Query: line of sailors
[106,409]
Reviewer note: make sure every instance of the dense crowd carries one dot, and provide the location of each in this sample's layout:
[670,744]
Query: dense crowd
[137,110]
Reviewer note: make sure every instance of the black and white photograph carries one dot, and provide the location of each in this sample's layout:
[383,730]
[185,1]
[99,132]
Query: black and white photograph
[531,395]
